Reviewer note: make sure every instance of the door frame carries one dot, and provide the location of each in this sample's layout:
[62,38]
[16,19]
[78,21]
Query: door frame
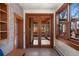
[17,18]
[27,29]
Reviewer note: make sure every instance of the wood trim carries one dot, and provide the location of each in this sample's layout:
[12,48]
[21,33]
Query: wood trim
[52,30]
[19,18]
[27,30]
[7,22]
[34,14]
[63,7]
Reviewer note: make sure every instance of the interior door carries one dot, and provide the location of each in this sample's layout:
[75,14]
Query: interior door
[34,32]
[39,31]
[18,32]
[45,32]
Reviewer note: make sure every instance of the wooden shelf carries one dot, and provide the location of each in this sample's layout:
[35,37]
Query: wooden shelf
[3,22]
[3,7]
[3,11]
[3,31]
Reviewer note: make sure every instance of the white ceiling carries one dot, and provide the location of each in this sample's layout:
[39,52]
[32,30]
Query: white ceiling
[46,6]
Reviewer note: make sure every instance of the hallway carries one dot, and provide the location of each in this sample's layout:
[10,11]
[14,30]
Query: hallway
[34,29]
[41,52]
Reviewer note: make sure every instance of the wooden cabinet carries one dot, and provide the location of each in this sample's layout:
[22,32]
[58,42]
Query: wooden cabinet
[3,21]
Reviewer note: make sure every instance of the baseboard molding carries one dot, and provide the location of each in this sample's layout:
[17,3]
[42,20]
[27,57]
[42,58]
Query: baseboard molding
[59,52]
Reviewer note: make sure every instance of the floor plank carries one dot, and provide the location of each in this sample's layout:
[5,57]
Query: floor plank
[41,52]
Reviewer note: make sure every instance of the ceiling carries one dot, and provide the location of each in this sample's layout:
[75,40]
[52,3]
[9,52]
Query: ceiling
[46,6]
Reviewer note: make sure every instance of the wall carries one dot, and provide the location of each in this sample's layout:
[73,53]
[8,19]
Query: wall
[38,11]
[7,45]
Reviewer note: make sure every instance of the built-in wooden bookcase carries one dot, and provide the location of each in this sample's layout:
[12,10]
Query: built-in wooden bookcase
[3,21]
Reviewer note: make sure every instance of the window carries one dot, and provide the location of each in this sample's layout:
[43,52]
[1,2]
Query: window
[67,24]
[74,17]
[61,22]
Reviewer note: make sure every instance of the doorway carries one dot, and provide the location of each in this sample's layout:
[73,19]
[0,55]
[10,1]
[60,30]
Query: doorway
[18,32]
[39,31]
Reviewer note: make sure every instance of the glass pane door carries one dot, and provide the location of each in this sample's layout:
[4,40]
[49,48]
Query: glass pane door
[45,32]
[39,29]
[34,32]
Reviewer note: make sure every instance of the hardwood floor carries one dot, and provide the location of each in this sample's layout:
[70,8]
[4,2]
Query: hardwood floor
[41,52]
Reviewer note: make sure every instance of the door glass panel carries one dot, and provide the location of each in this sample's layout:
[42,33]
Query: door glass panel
[34,32]
[45,32]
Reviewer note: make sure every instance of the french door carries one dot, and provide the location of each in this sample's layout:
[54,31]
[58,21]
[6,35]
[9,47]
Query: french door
[39,31]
